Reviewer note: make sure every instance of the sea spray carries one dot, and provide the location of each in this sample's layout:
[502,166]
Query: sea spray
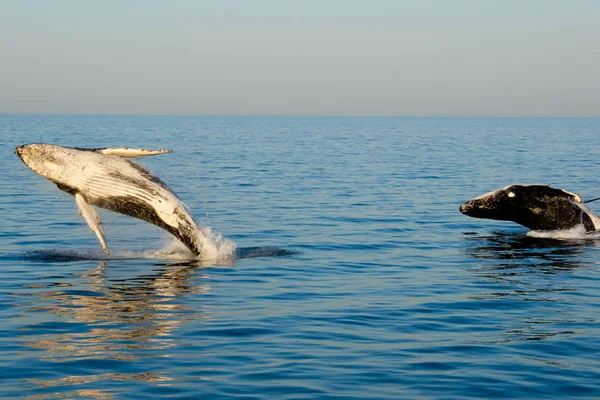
[214,246]
[577,233]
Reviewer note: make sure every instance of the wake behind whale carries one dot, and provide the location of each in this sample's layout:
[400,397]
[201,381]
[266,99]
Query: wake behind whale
[106,178]
[172,253]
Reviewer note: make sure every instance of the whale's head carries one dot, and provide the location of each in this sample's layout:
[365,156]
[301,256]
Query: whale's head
[44,159]
[538,207]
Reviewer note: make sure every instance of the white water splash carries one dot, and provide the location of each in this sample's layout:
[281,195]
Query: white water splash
[214,247]
[576,233]
[217,250]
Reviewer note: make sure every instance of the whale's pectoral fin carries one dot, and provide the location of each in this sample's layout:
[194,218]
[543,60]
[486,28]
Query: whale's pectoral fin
[132,153]
[92,218]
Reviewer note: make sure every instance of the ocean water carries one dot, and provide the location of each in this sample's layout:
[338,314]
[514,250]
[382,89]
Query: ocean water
[354,274]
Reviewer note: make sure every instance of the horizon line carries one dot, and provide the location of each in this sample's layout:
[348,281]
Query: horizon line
[184,115]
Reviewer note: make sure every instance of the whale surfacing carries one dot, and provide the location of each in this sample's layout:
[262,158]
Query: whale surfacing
[537,207]
[106,178]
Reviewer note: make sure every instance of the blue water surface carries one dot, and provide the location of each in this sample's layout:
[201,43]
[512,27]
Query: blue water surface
[355,276]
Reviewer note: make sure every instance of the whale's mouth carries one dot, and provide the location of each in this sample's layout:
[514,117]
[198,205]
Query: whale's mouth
[465,208]
[471,209]
[477,208]
[19,151]
[28,154]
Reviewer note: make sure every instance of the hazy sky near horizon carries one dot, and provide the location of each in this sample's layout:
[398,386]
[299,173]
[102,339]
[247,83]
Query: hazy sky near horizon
[327,57]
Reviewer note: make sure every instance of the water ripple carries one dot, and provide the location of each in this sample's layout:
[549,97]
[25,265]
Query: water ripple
[355,275]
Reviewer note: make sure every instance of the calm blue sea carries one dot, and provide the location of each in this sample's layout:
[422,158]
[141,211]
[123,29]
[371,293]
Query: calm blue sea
[356,277]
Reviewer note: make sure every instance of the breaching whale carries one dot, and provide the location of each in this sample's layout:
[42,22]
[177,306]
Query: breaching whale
[104,177]
[537,207]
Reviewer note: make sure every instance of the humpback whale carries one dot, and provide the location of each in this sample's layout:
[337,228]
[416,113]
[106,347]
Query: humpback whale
[106,178]
[537,207]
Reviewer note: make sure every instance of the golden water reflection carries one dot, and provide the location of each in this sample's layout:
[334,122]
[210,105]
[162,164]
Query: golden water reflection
[98,318]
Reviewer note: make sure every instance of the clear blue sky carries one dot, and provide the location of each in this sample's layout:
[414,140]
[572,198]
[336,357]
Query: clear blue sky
[279,57]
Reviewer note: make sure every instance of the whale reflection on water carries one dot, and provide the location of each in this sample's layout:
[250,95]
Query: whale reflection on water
[115,313]
[546,254]
[517,271]
[141,305]
[112,320]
